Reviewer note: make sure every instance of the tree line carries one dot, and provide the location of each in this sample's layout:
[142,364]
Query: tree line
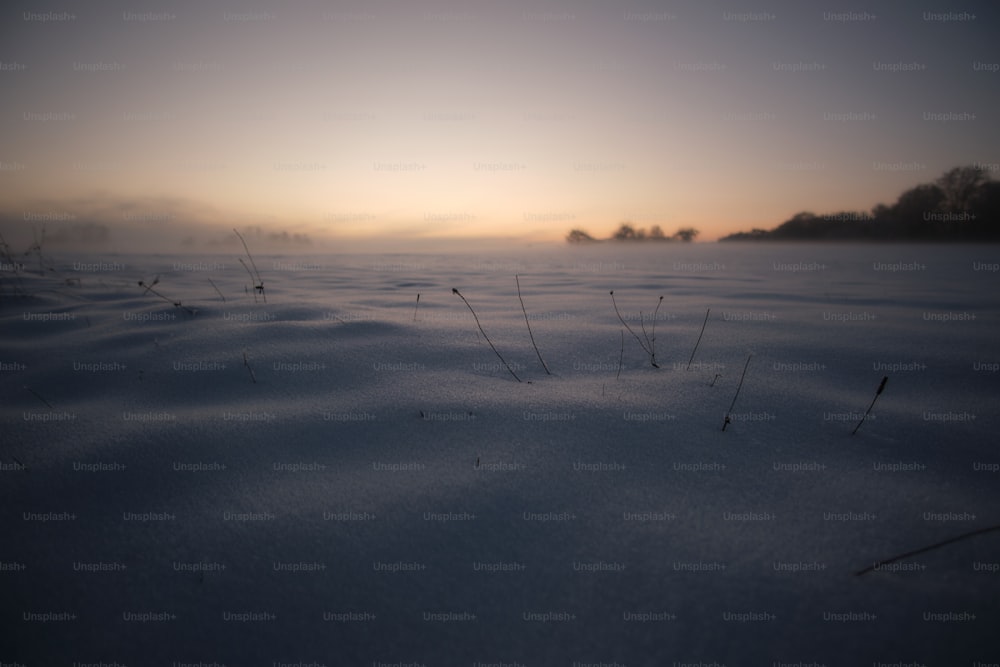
[963,204]
[627,232]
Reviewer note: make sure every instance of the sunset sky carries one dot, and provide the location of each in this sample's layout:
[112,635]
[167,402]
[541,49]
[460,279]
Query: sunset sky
[507,119]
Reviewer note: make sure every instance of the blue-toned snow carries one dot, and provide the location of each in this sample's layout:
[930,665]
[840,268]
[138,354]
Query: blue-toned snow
[337,514]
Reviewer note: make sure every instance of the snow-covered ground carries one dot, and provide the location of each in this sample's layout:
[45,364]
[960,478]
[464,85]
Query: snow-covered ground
[369,485]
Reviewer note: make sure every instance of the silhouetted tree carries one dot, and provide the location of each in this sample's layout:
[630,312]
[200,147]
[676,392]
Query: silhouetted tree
[579,236]
[686,234]
[960,187]
[913,214]
[801,225]
[963,204]
[881,212]
[986,209]
[625,232]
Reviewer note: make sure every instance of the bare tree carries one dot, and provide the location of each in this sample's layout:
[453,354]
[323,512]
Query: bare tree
[961,186]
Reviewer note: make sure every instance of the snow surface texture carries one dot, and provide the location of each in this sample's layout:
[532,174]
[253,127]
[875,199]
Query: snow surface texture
[369,485]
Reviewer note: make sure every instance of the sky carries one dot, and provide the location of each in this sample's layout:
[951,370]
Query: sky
[327,122]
